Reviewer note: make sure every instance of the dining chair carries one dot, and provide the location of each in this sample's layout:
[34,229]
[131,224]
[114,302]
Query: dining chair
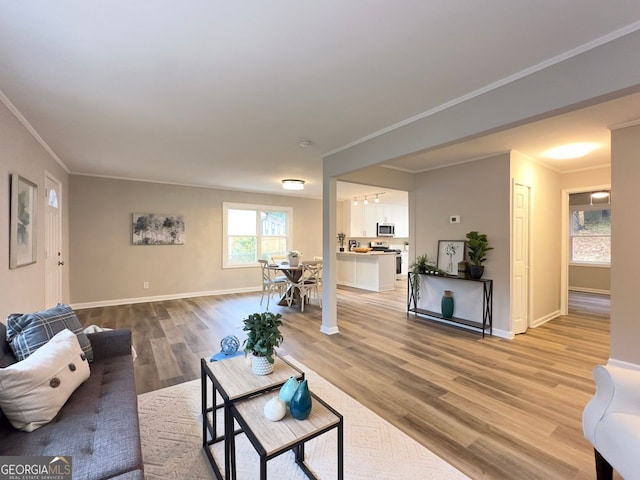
[307,285]
[270,284]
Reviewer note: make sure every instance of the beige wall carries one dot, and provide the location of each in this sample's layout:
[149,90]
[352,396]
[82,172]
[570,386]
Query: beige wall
[22,289]
[479,193]
[625,231]
[545,233]
[106,267]
[590,279]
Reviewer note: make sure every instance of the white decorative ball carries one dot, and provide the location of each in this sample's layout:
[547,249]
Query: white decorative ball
[275,409]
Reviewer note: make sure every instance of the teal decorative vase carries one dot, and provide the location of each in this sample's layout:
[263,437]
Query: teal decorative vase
[447,304]
[288,389]
[300,405]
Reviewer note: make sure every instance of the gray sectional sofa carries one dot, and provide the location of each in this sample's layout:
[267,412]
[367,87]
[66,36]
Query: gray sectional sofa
[98,426]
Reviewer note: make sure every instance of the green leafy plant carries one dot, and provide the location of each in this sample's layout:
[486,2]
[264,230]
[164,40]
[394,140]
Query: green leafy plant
[477,247]
[419,266]
[341,237]
[263,334]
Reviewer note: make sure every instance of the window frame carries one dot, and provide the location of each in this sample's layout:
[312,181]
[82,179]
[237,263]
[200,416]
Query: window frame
[574,208]
[226,206]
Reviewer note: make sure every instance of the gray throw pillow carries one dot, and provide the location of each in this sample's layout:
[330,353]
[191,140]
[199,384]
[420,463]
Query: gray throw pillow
[26,332]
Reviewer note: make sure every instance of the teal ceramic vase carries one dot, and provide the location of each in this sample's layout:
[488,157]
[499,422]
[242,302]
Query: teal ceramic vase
[300,405]
[288,389]
[447,304]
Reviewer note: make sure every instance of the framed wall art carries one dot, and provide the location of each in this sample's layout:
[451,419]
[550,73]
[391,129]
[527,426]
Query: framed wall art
[22,229]
[157,229]
[450,252]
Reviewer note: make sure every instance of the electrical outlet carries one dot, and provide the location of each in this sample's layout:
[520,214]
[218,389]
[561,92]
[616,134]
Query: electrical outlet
[145,285]
[454,219]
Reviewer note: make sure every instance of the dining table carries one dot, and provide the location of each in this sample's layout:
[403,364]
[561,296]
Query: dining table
[293,274]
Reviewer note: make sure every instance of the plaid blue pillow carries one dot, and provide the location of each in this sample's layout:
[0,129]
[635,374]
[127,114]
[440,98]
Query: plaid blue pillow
[26,332]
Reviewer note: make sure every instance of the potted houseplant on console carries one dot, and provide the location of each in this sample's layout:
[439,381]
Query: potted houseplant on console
[477,248]
[262,338]
[341,237]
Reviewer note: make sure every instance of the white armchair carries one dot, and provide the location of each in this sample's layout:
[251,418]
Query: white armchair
[611,422]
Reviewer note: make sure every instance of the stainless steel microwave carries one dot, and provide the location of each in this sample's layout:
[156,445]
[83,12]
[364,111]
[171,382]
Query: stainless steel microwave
[386,229]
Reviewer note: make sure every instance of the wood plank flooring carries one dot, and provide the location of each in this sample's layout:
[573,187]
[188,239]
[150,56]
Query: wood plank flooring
[493,408]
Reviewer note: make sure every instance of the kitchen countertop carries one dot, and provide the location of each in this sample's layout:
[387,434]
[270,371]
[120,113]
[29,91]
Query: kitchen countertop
[368,253]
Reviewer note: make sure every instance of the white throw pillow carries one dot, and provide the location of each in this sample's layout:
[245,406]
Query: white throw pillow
[33,390]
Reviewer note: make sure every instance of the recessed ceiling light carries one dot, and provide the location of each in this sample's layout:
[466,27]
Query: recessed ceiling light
[292,184]
[573,150]
[304,142]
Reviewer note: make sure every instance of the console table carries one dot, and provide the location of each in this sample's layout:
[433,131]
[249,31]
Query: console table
[487,303]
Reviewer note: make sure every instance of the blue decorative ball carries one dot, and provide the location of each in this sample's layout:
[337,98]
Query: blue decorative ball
[229,345]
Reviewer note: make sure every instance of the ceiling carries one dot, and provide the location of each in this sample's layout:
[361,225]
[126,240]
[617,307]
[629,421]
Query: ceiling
[220,94]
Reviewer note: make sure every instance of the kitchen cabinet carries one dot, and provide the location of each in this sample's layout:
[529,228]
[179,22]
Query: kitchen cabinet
[364,219]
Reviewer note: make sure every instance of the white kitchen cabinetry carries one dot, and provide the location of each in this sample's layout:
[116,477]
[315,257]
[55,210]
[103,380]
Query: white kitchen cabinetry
[364,219]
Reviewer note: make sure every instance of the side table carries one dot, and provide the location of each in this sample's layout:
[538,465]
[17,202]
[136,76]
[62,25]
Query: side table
[233,380]
[271,439]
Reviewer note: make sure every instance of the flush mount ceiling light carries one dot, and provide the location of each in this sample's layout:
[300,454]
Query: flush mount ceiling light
[573,150]
[292,184]
[305,142]
[600,196]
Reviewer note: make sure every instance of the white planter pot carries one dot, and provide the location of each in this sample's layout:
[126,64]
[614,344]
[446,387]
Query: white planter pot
[261,366]
[294,261]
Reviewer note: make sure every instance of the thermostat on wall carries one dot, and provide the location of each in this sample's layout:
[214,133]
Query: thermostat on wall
[454,219]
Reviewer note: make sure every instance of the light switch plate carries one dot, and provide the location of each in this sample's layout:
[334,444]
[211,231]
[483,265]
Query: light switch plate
[454,219]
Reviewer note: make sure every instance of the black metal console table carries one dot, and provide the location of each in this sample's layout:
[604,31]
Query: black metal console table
[487,304]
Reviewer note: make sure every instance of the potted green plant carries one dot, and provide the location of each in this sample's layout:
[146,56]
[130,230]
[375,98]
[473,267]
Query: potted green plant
[263,336]
[341,237]
[419,266]
[477,248]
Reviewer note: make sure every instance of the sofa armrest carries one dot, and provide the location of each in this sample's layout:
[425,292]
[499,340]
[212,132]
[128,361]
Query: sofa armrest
[617,390]
[110,343]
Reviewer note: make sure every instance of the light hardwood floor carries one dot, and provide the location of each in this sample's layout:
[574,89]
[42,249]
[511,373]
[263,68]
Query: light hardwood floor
[493,408]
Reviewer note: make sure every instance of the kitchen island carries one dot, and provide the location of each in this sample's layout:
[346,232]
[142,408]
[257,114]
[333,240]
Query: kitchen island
[375,271]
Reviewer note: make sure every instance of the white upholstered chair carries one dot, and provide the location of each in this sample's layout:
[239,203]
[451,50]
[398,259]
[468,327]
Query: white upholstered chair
[271,283]
[611,422]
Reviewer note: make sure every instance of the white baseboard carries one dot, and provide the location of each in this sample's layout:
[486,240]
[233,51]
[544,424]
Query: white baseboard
[623,364]
[596,291]
[329,331]
[160,298]
[547,318]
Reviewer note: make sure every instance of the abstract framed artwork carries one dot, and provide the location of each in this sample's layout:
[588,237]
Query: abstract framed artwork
[22,230]
[157,229]
[450,252]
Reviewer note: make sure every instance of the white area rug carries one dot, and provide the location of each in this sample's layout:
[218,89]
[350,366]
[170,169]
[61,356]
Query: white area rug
[171,428]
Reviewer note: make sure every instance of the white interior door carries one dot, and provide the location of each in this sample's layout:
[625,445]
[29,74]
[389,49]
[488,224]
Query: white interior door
[53,242]
[520,260]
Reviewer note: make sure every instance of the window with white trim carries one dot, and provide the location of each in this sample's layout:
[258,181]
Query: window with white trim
[253,232]
[590,234]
